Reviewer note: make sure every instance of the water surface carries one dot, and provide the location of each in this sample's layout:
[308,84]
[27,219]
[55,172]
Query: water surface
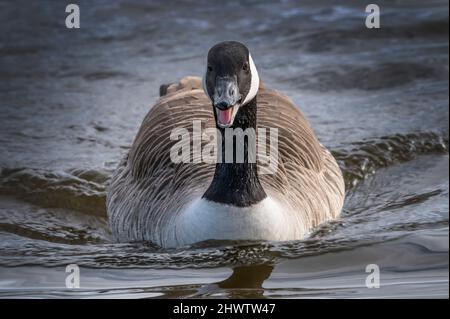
[72,101]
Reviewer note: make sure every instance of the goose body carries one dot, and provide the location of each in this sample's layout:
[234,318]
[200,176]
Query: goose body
[151,198]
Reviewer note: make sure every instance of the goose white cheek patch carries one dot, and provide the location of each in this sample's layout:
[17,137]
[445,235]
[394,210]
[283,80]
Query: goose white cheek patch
[254,86]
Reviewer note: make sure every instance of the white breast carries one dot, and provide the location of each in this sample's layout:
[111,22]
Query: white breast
[204,220]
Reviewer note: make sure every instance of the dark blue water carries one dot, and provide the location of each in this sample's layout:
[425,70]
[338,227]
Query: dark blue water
[71,102]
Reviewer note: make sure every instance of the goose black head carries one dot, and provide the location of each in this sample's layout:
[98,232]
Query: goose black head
[231,80]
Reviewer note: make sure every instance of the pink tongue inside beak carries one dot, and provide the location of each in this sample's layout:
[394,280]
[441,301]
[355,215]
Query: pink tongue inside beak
[225,117]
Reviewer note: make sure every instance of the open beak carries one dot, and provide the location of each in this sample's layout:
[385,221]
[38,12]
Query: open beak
[227,101]
[225,118]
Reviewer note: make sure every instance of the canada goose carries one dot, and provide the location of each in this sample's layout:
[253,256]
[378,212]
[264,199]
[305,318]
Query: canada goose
[151,198]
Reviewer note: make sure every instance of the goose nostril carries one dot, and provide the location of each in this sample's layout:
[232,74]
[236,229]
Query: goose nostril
[222,105]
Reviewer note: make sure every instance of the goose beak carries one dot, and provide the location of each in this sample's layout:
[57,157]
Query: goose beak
[226,101]
[225,117]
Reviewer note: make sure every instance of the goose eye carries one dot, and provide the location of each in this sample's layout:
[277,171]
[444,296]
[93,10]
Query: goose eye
[209,68]
[245,67]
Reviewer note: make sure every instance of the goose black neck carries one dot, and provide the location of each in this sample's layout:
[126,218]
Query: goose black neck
[235,183]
